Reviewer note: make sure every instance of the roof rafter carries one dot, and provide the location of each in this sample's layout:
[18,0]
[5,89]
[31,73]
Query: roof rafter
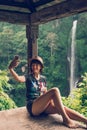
[60,10]
[31,6]
[15,17]
[12,3]
[39,11]
[42,2]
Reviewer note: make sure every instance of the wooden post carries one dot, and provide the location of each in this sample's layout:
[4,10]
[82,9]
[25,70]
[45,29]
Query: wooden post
[32,35]
[34,40]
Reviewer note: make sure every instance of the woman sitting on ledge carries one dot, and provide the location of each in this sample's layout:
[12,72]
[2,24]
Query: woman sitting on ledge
[39,100]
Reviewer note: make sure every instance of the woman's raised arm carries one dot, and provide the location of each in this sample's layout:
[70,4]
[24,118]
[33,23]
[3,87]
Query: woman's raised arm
[14,63]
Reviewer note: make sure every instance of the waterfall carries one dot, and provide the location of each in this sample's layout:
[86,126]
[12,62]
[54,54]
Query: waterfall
[73,56]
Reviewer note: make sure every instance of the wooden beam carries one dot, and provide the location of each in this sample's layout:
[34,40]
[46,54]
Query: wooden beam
[35,29]
[13,3]
[32,35]
[63,9]
[14,17]
[42,2]
[29,46]
[31,6]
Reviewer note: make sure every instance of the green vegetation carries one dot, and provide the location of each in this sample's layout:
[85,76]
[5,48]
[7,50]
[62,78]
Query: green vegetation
[5,101]
[18,94]
[53,43]
[77,100]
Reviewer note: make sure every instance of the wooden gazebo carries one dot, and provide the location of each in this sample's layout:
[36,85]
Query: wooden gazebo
[34,12]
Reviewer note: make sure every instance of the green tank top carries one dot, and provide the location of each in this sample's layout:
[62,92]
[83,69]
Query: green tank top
[34,87]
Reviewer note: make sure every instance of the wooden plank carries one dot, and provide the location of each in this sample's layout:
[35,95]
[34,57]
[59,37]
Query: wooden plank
[15,18]
[14,9]
[42,2]
[63,9]
[13,3]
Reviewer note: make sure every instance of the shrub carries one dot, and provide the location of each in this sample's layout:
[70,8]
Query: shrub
[5,101]
[77,100]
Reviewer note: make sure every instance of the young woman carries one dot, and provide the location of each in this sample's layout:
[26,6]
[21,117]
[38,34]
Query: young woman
[39,100]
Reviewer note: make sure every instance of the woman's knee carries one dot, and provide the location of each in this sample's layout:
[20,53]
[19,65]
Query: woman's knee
[55,90]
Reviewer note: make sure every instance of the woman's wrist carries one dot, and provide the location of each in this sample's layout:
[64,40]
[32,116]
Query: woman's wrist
[10,67]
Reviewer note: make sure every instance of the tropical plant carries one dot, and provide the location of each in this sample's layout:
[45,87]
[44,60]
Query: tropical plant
[77,100]
[5,101]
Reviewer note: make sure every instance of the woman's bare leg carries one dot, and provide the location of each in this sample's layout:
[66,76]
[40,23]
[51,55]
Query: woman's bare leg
[42,103]
[75,115]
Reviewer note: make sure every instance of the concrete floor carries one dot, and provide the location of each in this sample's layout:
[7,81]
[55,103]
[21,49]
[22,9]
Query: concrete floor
[19,119]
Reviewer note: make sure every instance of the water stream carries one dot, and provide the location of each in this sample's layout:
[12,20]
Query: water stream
[73,56]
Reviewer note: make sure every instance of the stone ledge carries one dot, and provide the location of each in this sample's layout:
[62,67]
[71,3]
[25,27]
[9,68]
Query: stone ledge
[19,119]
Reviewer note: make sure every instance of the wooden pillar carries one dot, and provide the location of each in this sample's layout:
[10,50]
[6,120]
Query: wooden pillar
[32,48]
[34,40]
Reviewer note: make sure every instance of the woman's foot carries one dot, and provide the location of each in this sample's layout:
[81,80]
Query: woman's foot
[71,124]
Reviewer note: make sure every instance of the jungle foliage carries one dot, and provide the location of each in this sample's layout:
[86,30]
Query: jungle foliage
[5,101]
[77,99]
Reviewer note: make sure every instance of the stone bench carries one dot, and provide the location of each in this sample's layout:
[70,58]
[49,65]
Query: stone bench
[19,119]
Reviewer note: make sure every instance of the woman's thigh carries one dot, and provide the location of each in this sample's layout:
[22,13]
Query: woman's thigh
[51,109]
[41,103]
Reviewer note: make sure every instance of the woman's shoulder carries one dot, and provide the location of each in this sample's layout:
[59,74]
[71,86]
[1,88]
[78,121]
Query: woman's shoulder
[27,76]
[43,77]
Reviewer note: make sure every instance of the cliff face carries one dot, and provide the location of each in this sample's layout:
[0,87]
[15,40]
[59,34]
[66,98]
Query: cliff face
[19,119]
